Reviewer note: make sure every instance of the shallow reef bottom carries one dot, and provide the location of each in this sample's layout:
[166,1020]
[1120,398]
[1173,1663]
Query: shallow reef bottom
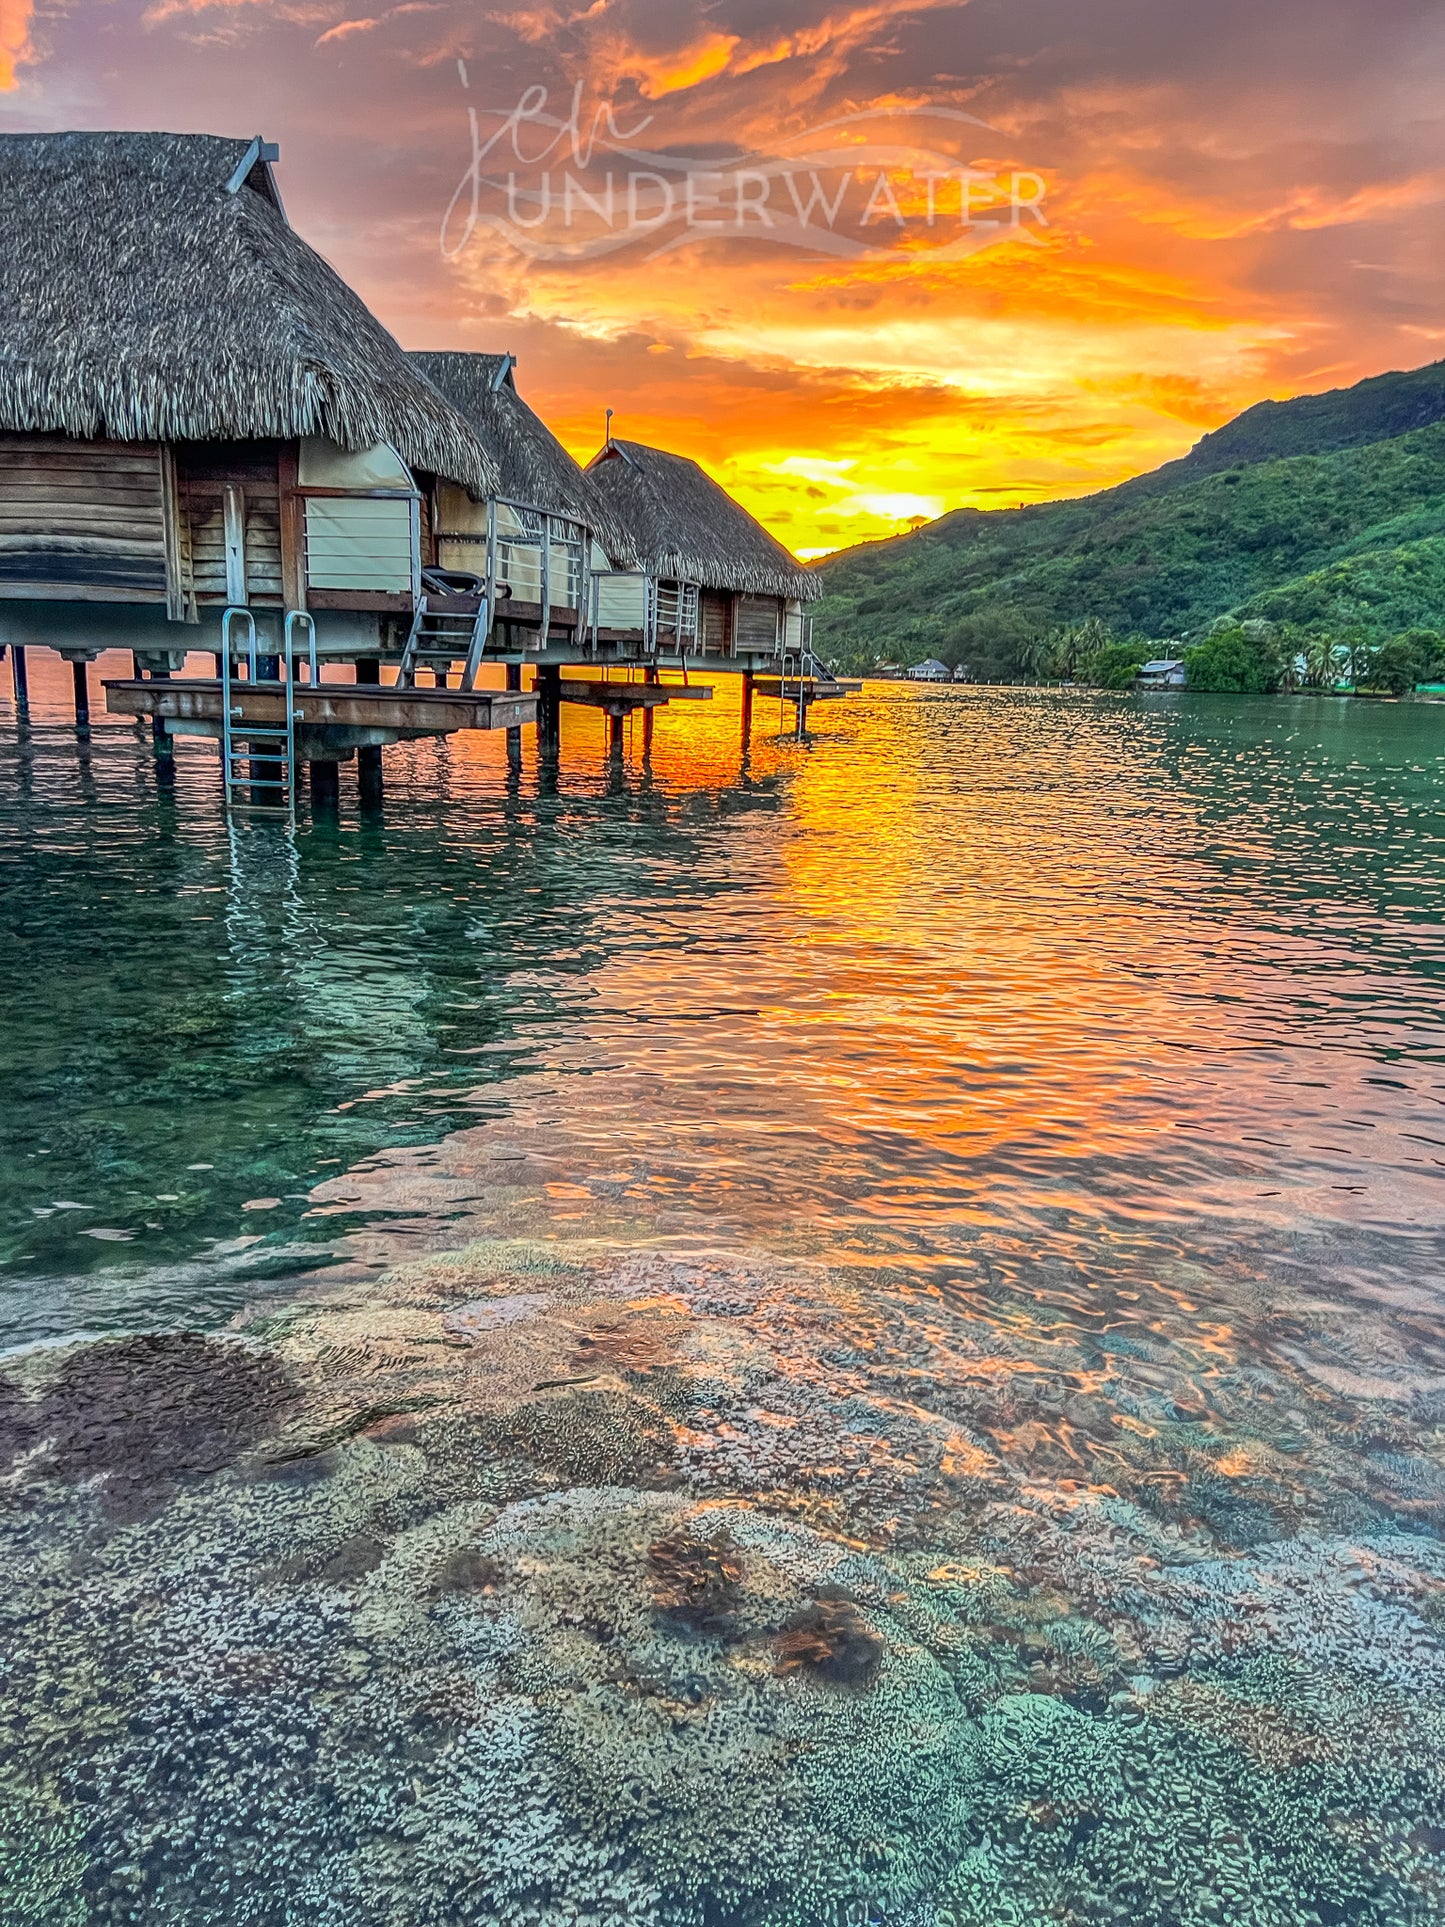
[538,1585]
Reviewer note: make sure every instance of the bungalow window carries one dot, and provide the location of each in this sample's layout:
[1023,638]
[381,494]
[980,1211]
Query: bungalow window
[461,530]
[619,598]
[363,519]
[758,622]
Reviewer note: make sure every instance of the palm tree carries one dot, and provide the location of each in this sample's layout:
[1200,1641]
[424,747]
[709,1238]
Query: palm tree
[1320,662]
[1035,656]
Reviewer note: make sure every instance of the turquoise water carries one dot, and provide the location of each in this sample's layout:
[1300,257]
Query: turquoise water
[846,1333]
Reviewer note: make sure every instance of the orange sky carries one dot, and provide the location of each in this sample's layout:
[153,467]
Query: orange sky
[1239,204]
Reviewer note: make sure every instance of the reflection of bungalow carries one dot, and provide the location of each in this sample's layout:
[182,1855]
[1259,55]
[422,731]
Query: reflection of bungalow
[542,530]
[695,574]
[196,412]
[1167,673]
[930,671]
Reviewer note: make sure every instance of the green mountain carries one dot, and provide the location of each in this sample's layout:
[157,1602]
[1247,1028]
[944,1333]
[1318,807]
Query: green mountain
[1327,512]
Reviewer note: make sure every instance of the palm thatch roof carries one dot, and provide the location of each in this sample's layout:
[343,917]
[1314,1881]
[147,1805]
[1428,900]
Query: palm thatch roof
[685,527]
[536,470]
[152,289]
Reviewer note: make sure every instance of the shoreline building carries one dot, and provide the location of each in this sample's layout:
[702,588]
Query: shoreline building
[197,413]
[1165,672]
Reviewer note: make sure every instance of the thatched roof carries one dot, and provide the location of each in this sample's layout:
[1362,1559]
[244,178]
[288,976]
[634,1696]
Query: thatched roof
[685,527]
[151,289]
[536,470]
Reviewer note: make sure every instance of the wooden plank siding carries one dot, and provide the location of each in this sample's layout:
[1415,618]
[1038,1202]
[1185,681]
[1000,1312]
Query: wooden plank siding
[757,622]
[716,622]
[204,471]
[81,521]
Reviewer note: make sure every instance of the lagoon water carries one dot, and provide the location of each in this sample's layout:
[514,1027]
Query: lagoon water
[851,1335]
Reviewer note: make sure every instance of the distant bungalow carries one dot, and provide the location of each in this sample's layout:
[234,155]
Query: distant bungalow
[694,572]
[931,671]
[546,525]
[196,412]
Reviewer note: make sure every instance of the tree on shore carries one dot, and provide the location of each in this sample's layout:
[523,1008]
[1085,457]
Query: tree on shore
[1396,666]
[1237,659]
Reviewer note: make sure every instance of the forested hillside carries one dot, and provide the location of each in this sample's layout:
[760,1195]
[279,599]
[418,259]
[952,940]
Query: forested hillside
[1327,513]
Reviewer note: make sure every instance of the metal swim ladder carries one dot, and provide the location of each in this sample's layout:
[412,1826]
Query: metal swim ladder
[277,740]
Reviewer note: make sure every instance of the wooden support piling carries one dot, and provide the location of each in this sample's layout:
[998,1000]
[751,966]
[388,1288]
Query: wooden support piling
[651,674]
[514,736]
[368,756]
[80,682]
[325,788]
[549,708]
[21,676]
[747,707]
[614,737]
[368,774]
[160,735]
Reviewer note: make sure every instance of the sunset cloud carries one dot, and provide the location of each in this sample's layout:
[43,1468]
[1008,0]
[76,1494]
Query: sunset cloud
[687,67]
[1240,203]
[345,30]
[14,39]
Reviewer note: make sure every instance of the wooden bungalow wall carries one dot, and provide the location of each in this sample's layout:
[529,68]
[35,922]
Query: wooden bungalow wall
[715,614]
[757,621]
[82,521]
[204,471]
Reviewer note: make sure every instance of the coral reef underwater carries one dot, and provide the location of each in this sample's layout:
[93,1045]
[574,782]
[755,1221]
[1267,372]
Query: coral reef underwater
[556,1585]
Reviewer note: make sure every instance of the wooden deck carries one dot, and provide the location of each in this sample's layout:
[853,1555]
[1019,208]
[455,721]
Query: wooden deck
[624,698]
[381,708]
[813,689]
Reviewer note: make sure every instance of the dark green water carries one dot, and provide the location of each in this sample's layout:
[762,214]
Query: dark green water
[199,1016]
[1050,1090]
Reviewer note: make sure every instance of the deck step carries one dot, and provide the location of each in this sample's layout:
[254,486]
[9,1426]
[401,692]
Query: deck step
[441,638]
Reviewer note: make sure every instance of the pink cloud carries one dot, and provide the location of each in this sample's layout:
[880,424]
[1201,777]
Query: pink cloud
[346,30]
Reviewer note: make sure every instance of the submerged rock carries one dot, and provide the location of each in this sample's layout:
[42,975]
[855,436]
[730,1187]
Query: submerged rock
[140,1416]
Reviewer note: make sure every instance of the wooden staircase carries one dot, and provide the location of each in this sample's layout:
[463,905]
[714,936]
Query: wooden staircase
[446,630]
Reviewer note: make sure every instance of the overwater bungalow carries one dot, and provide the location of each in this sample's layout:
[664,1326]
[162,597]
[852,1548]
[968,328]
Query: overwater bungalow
[696,574]
[197,413]
[539,538]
